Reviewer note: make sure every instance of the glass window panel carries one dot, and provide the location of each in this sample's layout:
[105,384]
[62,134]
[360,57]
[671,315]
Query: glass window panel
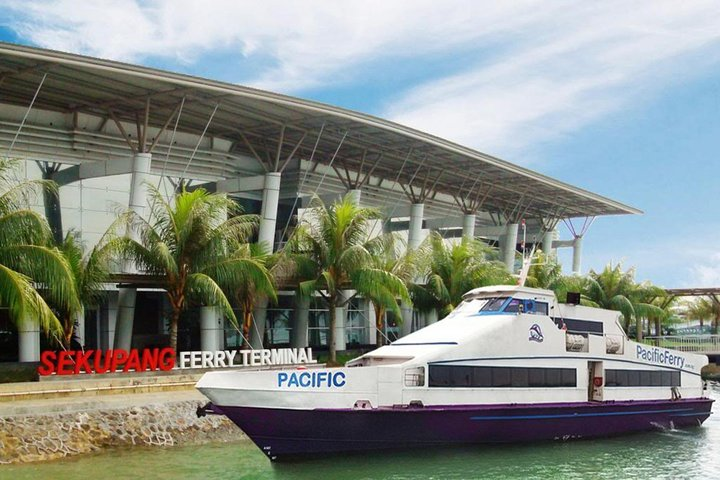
[569,377]
[439,376]
[536,377]
[520,377]
[501,377]
[482,376]
[462,376]
[553,377]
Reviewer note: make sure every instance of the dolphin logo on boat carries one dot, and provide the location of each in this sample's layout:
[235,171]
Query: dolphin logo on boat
[536,333]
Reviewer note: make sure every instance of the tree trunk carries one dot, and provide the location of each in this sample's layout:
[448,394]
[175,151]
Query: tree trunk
[379,323]
[716,322]
[174,320]
[658,327]
[638,329]
[332,349]
[247,323]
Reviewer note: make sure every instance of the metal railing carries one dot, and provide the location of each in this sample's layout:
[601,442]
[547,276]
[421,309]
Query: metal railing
[687,343]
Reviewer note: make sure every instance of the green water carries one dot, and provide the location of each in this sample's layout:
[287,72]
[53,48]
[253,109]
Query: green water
[673,454]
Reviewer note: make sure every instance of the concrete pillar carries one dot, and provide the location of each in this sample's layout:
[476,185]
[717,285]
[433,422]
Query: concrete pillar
[547,243]
[414,239]
[29,341]
[577,256]
[79,326]
[415,227]
[138,204]
[108,322]
[371,322]
[431,317]
[407,319]
[125,318]
[299,332]
[140,175]
[355,195]
[257,330]
[509,244]
[469,225]
[268,216]
[211,325]
[340,318]
[51,201]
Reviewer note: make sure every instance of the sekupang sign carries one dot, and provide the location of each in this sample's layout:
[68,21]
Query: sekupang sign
[76,362]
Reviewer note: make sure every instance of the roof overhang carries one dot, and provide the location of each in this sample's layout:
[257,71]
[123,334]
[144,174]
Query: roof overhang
[271,129]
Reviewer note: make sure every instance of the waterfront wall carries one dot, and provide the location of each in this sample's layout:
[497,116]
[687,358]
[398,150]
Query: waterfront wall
[38,437]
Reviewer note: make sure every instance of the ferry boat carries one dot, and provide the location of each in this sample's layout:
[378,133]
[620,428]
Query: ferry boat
[509,364]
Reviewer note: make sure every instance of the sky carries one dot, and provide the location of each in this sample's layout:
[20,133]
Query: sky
[618,97]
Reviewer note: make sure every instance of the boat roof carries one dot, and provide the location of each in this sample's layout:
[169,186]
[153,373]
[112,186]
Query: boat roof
[508,289]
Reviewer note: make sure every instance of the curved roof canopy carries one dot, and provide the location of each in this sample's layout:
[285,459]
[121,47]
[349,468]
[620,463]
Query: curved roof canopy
[271,127]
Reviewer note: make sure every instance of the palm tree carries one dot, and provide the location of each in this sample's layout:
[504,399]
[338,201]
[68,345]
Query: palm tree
[615,289]
[452,269]
[27,258]
[334,242]
[195,249]
[89,272]
[706,308]
[248,293]
[389,254]
[545,272]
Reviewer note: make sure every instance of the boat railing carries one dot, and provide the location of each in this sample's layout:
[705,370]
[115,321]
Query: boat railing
[686,343]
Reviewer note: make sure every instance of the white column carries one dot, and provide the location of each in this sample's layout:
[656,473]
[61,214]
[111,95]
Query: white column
[138,189]
[510,242]
[211,321]
[415,227]
[355,195]
[79,326]
[125,318]
[407,318]
[340,343]
[268,216]
[257,329]
[29,341]
[371,323]
[431,317]
[299,333]
[137,203]
[469,225]
[547,243]
[108,322]
[577,256]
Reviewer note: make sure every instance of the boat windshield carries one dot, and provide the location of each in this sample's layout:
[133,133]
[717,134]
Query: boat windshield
[495,304]
[469,307]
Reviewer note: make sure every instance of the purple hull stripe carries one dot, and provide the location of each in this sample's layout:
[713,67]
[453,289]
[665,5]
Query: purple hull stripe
[284,433]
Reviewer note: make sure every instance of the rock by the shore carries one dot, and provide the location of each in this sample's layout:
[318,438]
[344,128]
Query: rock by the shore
[31,438]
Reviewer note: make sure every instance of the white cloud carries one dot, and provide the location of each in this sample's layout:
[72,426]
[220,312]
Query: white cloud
[564,73]
[706,272]
[535,70]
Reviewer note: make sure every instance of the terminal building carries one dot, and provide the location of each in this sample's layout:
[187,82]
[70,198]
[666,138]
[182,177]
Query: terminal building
[102,130]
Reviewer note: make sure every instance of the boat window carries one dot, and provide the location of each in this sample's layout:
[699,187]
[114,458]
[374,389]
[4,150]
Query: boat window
[641,378]
[513,306]
[541,308]
[461,376]
[494,304]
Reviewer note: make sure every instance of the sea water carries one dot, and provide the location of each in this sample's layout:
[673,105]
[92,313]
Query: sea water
[668,454]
